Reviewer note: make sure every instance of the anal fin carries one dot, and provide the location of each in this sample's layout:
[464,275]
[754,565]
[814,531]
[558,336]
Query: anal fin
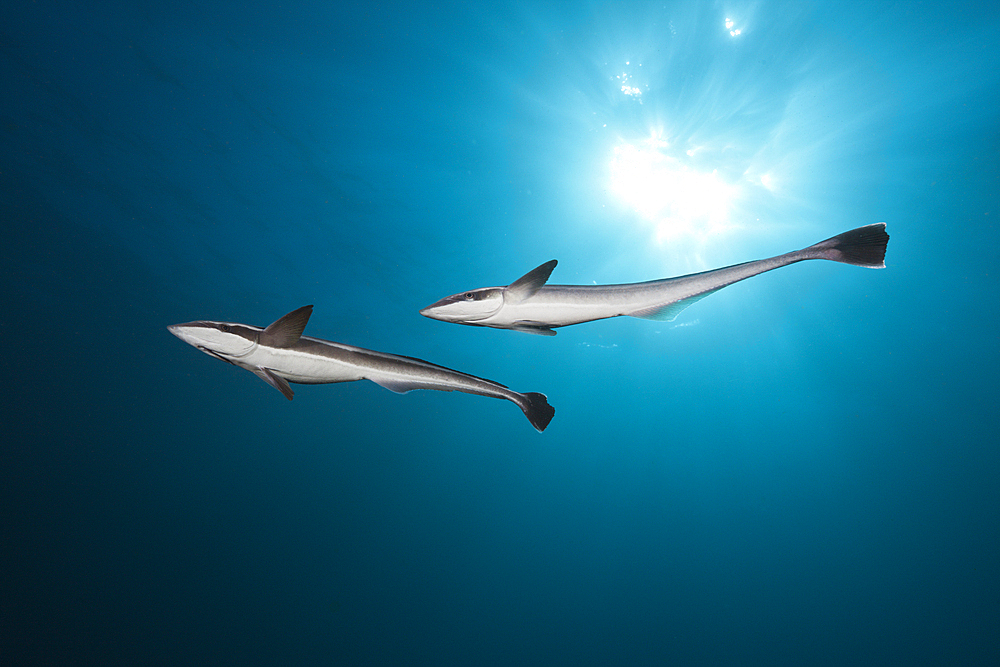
[397,385]
[670,311]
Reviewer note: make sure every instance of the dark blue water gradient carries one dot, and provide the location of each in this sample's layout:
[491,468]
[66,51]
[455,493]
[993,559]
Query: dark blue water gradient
[801,469]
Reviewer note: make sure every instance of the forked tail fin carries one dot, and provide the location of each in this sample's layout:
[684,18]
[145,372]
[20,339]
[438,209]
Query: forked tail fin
[864,246]
[537,409]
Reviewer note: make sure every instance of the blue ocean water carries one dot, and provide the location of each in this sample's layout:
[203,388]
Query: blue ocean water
[800,469]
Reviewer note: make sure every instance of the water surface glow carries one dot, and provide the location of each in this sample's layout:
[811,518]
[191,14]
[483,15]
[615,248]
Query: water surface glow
[675,198]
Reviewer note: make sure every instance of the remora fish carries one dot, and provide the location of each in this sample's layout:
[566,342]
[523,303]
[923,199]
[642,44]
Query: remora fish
[529,305]
[280,354]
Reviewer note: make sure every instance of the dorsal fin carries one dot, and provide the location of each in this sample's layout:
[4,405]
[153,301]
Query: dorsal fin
[529,283]
[286,331]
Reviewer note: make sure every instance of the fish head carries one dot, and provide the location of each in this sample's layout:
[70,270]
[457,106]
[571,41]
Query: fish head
[222,340]
[466,307]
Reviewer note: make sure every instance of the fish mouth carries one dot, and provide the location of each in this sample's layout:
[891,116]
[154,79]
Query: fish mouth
[445,311]
[434,312]
[214,354]
[428,311]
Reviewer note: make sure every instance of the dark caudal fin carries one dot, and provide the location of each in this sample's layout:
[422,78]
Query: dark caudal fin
[864,246]
[537,409]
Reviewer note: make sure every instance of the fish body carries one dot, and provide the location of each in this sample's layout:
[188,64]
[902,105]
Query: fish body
[531,305]
[279,354]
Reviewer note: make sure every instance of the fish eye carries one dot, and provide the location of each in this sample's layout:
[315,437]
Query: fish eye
[469,296]
[224,328]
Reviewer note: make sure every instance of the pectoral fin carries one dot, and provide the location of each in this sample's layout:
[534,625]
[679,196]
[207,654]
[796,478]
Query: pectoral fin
[529,283]
[529,326]
[279,383]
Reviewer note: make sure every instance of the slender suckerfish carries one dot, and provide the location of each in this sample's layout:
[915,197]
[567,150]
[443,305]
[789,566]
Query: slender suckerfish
[529,305]
[280,354]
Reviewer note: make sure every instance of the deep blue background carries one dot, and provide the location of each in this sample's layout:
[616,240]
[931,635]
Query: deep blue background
[802,469]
